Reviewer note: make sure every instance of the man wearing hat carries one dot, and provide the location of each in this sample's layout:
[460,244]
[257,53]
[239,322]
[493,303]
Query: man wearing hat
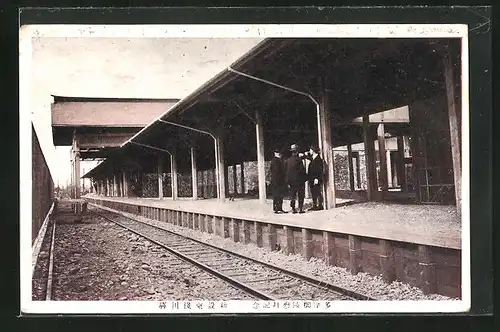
[278,183]
[296,178]
[315,177]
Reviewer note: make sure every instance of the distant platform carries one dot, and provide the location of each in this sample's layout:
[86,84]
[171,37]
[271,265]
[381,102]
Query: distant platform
[431,225]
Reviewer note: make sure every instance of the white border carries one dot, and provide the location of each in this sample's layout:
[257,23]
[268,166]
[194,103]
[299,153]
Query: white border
[233,31]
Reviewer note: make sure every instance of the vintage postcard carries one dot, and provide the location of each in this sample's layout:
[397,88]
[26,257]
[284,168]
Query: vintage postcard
[291,168]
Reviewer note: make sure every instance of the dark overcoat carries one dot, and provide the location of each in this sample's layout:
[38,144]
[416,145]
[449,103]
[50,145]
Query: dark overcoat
[295,171]
[315,170]
[278,183]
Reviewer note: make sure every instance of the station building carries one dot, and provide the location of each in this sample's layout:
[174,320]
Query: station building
[385,113]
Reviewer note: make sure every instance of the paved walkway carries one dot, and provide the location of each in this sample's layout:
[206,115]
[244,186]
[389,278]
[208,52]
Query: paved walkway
[422,224]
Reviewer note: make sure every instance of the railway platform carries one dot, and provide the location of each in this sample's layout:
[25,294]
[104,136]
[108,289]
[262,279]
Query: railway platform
[415,244]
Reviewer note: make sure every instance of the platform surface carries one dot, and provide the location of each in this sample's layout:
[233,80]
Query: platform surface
[432,225]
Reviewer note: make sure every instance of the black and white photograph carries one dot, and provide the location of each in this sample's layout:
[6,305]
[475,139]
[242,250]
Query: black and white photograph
[244,168]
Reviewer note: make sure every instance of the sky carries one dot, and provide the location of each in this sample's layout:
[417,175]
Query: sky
[119,68]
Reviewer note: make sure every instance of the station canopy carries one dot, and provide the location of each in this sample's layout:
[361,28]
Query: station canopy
[360,77]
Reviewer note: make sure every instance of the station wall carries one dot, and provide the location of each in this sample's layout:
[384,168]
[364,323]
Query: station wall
[42,186]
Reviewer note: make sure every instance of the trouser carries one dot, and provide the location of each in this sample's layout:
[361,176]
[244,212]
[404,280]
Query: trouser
[317,195]
[277,202]
[277,197]
[297,190]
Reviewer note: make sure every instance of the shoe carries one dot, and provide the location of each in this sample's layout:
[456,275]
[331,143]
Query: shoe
[294,211]
[301,211]
[276,212]
[314,208]
[281,211]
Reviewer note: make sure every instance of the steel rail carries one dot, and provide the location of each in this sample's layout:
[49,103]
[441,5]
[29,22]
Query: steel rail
[48,291]
[228,279]
[315,282]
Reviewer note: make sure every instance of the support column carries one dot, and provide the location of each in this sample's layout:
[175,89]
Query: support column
[400,165]
[351,167]
[327,152]
[173,172]
[261,167]
[194,172]
[358,171]
[382,158]
[160,176]
[221,171]
[389,169]
[235,180]
[242,175]
[454,129]
[107,187]
[115,186]
[371,180]
[125,184]
[76,158]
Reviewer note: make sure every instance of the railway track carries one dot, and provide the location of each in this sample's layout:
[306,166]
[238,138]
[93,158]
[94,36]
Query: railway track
[258,279]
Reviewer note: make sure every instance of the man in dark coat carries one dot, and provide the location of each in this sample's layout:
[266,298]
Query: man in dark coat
[315,178]
[296,178]
[278,183]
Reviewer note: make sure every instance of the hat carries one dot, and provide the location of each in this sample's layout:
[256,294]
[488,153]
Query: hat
[277,149]
[294,147]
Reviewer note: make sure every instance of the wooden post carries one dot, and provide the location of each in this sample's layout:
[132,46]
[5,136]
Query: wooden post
[329,253]
[160,177]
[288,232]
[387,264]
[454,129]
[114,185]
[242,175]
[382,159]
[221,176]
[125,183]
[76,150]
[261,167]
[428,281]
[355,254]
[351,168]
[400,165]
[389,168]
[371,179]
[307,243]
[358,171]
[235,181]
[194,172]
[327,152]
[246,231]
[173,173]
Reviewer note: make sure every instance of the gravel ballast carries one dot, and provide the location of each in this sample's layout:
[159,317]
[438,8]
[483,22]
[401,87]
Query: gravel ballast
[99,260]
[372,286]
